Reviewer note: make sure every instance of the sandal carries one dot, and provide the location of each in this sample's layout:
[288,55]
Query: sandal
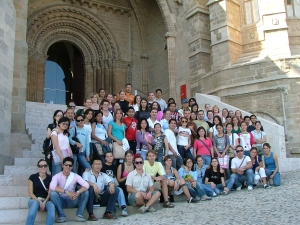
[167,204]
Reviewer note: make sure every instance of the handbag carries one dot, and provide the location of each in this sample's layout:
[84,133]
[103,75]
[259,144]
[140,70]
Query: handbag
[224,162]
[47,147]
[75,148]
[119,150]
[230,150]
[64,152]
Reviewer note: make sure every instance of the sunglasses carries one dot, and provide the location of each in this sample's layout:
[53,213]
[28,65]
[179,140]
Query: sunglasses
[69,165]
[239,151]
[184,121]
[80,120]
[139,162]
[65,124]
[44,165]
[72,106]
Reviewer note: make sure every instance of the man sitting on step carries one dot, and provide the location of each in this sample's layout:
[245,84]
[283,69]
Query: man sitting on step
[63,193]
[103,188]
[140,188]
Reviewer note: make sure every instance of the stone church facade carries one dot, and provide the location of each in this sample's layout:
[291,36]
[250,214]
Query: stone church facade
[244,51]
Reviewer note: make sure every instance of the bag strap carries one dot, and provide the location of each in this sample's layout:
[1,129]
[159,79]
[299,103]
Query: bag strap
[232,138]
[75,132]
[242,161]
[43,183]
[204,144]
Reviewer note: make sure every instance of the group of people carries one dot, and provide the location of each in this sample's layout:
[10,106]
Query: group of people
[201,153]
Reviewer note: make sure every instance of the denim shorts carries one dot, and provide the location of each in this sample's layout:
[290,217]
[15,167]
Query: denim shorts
[131,198]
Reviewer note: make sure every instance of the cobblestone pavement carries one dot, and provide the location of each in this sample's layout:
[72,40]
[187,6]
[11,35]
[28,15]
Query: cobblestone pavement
[277,205]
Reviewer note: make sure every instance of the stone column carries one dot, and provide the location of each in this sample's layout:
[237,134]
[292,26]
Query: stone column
[119,75]
[226,41]
[89,79]
[171,43]
[20,67]
[144,59]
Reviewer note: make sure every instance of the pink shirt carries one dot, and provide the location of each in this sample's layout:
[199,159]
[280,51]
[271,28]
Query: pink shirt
[60,180]
[201,149]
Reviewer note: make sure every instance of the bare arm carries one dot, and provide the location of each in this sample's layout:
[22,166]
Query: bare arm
[166,146]
[48,133]
[119,174]
[277,165]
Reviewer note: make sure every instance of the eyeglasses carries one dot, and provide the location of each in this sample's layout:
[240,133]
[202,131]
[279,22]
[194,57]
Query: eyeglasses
[239,151]
[80,120]
[44,165]
[65,124]
[69,165]
[184,121]
[139,162]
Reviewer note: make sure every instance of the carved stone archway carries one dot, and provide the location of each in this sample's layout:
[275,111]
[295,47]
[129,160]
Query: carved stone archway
[84,30]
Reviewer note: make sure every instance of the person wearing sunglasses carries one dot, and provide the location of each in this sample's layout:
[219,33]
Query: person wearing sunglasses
[38,189]
[184,139]
[140,188]
[63,192]
[241,168]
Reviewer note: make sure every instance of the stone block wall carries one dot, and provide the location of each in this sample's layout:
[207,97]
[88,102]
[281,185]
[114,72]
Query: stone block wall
[7,45]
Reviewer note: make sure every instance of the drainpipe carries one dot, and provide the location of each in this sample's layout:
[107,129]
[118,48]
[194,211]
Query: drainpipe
[284,92]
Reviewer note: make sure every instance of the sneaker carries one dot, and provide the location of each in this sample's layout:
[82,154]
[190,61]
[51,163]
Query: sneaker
[205,197]
[79,219]
[214,194]
[92,217]
[250,188]
[61,220]
[239,188]
[223,193]
[109,215]
[124,212]
[267,186]
[151,209]
[192,200]
[197,199]
[143,209]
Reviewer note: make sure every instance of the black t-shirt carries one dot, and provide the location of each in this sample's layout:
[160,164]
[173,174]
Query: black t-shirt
[124,105]
[210,124]
[109,170]
[142,115]
[38,188]
[213,177]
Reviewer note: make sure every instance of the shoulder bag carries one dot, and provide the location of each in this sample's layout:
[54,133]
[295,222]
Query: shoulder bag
[119,150]
[74,147]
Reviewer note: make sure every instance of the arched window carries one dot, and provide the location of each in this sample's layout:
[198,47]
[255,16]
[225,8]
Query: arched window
[292,8]
[251,13]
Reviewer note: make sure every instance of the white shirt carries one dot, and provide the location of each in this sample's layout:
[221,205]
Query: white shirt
[258,136]
[236,162]
[183,136]
[151,124]
[235,136]
[138,182]
[213,130]
[102,179]
[88,128]
[107,119]
[172,140]
[162,103]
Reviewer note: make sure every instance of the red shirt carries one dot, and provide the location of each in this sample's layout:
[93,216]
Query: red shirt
[131,124]
[201,149]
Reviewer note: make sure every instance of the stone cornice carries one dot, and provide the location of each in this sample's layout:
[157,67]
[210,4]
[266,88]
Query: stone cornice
[107,6]
[37,56]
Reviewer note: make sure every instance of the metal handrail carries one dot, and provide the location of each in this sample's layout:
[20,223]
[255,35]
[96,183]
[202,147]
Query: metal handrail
[56,90]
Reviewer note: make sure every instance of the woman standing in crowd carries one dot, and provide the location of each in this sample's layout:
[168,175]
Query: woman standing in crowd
[70,115]
[258,168]
[233,142]
[144,139]
[165,121]
[192,101]
[95,101]
[224,115]
[184,139]
[117,105]
[87,105]
[83,157]
[221,142]
[107,115]
[123,103]
[160,114]
[271,165]
[239,115]
[99,134]
[143,112]
[101,94]
[215,177]
[190,176]
[246,139]
[236,125]
[60,142]
[116,129]
[203,146]
[195,108]
[137,102]
[260,137]
[161,145]
[174,182]
[38,189]
[123,170]
[110,100]
[213,130]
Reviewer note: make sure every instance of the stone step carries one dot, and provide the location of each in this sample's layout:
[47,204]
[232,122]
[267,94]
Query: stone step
[14,202]
[15,180]
[18,216]
[19,170]
[6,180]
[26,161]
[13,191]
[33,154]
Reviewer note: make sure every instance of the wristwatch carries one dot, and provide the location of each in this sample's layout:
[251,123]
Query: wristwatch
[66,191]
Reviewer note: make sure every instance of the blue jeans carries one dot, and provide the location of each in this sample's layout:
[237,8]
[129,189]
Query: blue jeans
[34,206]
[61,202]
[177,162]
[276,178]
[206,159]
[159,157]
[55,168]
[185,153]
[219,187]
[121,198]
[247,176]
[83,164]
[207,188]
[107,199]
[195,192]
